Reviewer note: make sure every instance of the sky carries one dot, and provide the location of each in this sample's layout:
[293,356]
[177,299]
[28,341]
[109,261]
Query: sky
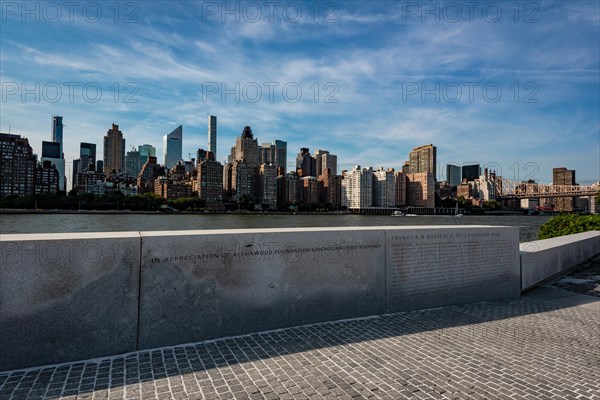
[511,85]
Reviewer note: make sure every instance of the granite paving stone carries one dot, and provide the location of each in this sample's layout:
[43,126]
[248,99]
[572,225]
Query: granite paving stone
[525,348]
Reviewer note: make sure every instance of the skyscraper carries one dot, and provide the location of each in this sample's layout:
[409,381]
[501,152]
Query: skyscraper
[114,151]
[423,159]
[133,163]
[357,188]
[274,153]
[172,147]
[306,165]
[201,155]
[50,149]
[46,178]
[17,166]
[57,132]
[210,179]
[246,148]
[453,175]
[471,172]
[400,178]
[212,135]
[267,186]
[51,152]
[146,151]
[280,154]
[384,188]
[325,161]
[87,155]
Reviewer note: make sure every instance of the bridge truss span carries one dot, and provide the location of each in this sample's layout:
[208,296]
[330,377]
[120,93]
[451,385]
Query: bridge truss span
[508,189]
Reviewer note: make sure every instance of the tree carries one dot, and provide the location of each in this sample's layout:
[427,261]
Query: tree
[246,203]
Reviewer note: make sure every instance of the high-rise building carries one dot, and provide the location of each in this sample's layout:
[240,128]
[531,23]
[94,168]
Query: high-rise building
[87,155]
[423,159]
[51,152]
[324,161]
[50,149]
[85,162]
[267,186]
[46,178]
[311,190]
[75,172]
[279,154]
[133,163]
[357,188]
[210,181]
[99,165]
[406,167]
[239,180]
[484,187]
[274,153]
[306,165]
[563,176]
[146,151]
[400,178]
[172,147]
[114,151]
[17,166]
[318,156]
[471,172]
[57,133]
[384,188]
[150,171]
[331,188]
[265,153]
[453,175]
[329,163]
[287,188]
[246,148]
[201,155]
[212,135]
[420,190]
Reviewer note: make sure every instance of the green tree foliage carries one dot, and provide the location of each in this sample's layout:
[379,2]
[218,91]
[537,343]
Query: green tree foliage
[567,224]
[112,201]
[187,203]
[246,203]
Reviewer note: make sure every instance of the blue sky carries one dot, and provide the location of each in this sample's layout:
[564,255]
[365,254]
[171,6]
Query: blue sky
[511,85]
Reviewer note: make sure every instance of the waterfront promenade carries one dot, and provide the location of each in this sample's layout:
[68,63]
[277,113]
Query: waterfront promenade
[544,345]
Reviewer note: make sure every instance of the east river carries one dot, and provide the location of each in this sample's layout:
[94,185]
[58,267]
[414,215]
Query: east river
[50,223]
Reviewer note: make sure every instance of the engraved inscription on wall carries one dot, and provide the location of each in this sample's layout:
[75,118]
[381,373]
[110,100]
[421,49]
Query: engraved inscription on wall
[423,263]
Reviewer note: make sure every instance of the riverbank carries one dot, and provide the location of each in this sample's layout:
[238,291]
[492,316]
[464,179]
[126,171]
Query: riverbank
[237,212]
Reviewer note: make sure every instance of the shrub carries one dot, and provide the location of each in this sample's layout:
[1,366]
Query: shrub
[567,224]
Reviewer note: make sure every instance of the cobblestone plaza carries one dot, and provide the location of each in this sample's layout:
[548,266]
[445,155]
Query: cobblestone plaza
[544,345]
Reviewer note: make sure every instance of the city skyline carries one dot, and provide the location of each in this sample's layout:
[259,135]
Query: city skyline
[440,174]
[395,87]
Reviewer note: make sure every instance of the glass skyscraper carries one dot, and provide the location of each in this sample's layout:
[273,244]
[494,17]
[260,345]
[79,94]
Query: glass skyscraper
[146,150]
[172,147]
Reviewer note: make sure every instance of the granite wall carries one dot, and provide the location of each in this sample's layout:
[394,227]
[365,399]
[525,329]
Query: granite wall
[71,296]
[544,259]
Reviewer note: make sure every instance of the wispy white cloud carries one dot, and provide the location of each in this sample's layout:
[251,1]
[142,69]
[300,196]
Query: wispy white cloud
[173,51]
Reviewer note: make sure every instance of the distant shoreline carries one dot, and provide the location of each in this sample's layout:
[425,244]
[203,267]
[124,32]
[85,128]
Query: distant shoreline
[83,212]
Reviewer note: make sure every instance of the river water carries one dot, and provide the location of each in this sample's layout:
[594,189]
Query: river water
[51,223]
